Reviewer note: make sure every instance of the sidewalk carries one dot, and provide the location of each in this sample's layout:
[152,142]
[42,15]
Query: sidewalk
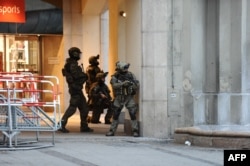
[95,149]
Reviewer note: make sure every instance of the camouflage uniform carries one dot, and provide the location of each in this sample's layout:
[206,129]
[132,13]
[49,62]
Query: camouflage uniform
[75,78]
[125,86]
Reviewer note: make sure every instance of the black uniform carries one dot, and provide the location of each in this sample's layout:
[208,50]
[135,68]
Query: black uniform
[75,78]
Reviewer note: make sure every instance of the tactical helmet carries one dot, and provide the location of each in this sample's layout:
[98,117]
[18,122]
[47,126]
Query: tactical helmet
[93,60]
[122,66]
[75,53]
[101,75]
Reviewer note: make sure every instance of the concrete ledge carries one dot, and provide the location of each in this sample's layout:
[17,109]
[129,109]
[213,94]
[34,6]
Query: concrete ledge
[221,136]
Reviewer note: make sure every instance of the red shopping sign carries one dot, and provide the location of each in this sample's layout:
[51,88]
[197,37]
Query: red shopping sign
[12,11]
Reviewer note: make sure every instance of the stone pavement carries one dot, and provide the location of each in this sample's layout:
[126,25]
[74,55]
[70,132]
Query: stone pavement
[95,149]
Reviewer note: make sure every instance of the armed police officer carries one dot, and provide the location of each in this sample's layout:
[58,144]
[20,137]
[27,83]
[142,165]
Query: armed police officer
[100,99]
[125,86]
[75,77]
[91,71]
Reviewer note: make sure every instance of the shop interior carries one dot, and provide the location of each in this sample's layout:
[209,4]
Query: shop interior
[19,53]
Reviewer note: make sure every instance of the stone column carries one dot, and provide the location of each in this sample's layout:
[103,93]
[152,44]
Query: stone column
[233,62]
[194,42]
[205,97]
[223,97]
[156,32]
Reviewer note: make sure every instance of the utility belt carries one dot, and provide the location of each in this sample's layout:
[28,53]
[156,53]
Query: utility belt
[126,91]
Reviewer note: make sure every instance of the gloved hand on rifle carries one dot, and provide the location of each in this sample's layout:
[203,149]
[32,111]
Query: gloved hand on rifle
[127,83]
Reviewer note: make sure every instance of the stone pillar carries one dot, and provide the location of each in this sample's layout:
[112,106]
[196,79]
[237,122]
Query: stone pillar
[234,59]
[224,97]
[221,103]
[156,32]
[193,51]
[205,96]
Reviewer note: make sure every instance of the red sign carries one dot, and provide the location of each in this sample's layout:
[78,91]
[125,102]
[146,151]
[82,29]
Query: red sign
[12,11]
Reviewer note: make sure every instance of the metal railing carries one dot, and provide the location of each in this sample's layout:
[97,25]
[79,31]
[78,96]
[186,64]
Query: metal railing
[23,104]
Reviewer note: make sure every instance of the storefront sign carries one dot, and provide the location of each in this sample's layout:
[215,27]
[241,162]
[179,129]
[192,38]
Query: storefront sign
[12,11]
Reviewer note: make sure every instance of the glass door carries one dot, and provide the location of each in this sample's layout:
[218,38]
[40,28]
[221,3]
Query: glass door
[22,54]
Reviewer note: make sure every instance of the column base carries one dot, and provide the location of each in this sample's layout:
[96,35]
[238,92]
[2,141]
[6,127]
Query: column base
[220,136]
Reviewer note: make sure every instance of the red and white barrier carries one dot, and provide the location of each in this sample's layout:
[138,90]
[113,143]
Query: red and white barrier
[24,98]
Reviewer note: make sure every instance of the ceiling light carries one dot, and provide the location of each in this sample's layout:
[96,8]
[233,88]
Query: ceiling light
[123,14]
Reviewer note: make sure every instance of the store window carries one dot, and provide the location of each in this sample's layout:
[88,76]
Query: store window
[20,53]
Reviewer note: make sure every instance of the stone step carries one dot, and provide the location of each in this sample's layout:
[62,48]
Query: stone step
[220,136]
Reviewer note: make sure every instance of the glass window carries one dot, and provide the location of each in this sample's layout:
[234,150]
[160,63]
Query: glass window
[21,53]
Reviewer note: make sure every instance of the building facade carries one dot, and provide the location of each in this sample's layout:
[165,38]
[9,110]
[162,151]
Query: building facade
[191,57]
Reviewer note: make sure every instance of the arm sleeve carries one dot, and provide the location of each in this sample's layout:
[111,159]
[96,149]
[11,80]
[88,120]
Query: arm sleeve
[115,83]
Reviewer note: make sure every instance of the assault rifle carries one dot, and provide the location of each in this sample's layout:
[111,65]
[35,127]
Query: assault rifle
[123,78]
[127,89]
[106,101]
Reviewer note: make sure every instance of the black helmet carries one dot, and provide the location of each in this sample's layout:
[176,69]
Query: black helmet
[93,60]
[101,75]
[75,53]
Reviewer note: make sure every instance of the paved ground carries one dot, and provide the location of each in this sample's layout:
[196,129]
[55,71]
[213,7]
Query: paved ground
[95,149]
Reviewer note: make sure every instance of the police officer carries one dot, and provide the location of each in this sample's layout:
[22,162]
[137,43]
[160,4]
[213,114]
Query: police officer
[91,71]
[75,78]
[125,86]
[100,99]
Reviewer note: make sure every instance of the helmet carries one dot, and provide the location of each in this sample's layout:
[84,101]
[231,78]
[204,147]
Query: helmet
[75,53]
[101,75]
[93,60]
[122,66]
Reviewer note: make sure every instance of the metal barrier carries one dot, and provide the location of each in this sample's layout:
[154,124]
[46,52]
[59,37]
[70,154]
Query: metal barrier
[21,108]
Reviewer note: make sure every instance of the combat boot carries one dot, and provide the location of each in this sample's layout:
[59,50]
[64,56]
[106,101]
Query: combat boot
[113,128]
[135,128]
[85,127]
[135,133]
[63,128]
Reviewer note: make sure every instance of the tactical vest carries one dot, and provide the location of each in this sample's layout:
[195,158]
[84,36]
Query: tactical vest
[125,90]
